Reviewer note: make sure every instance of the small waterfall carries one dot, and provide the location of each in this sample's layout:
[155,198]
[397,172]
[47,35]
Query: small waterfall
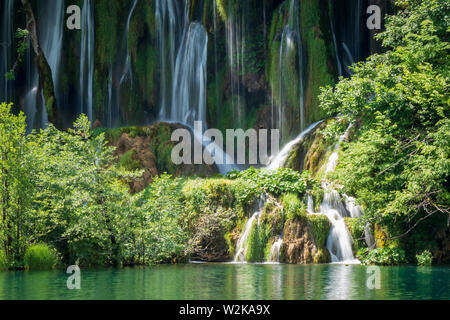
[50,18]
[280,160]
[333,32]
[171,23]
[189,80]
[290,54]
[275,250]
[242,244]
[6,50]
[87,59]
[235,39]
[51,24]
[339,242]
[128,72]
[346,18]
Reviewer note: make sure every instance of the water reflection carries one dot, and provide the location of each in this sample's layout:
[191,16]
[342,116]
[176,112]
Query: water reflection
[228,281]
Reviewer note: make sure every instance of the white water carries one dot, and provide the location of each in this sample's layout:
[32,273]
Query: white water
[189,79]
[275,250]
[50,18]
[6,50]
[242,244]
[333,33]
[171,23]
[291,42]
[128,72]
[339,241]
[87,58]
[280,160]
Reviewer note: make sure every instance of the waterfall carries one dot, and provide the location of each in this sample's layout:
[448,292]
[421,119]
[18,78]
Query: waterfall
[275,250]
[189,80]
[339,241]
[50,18]
[346,21]
[171,21]
[87,59]
[128,72]
[280,160]
[235,39]
[333,33]
[242,244]
[7,50]
[290,45]
[51,24]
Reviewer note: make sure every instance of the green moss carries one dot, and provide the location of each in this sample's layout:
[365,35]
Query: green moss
[320,226]
[317,42]
[357,232]
[129,162]
[294,209]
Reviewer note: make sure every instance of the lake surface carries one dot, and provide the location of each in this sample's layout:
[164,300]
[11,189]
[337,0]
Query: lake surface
[230,281]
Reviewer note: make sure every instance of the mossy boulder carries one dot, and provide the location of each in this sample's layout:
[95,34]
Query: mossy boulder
[304,241]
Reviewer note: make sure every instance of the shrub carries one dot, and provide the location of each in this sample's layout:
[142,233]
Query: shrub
[40,257]
[382,256]
[425,258]
[293,207]
[129,163]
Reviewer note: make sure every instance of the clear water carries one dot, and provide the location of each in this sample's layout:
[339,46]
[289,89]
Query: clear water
[230,281]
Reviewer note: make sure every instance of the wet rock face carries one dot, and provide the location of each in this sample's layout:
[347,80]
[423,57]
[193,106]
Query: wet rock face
[299,246]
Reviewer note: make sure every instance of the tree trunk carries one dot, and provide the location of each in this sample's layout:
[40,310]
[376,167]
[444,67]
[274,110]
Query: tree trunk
[45,73]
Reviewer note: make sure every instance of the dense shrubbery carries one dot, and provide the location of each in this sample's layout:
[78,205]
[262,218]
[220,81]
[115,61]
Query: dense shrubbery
[398,163]
[40,257]
[274,182]
[382,256]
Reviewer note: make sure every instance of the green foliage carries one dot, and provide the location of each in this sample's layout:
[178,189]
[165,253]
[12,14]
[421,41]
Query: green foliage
[40,257]
[256,245]
[382,256]
[425,258]
[23,46]
[129,163]
[398,163]
[320,226]
[274,182]
[293,207]
[158,236]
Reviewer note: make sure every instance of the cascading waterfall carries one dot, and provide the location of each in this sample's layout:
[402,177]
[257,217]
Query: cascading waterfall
[333,33]
[87,59]
[275,251]
[235,39]
[242,244]
[189,81]
[291,43]
[171,24]
[339,241]
[128,71]
[7,50]
[280,160]
[50,18]
[346,27]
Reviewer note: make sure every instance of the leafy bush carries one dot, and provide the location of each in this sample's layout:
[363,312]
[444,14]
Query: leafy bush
[40,257]
[275,182]
[382,256]
[425,258]
[293,207]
